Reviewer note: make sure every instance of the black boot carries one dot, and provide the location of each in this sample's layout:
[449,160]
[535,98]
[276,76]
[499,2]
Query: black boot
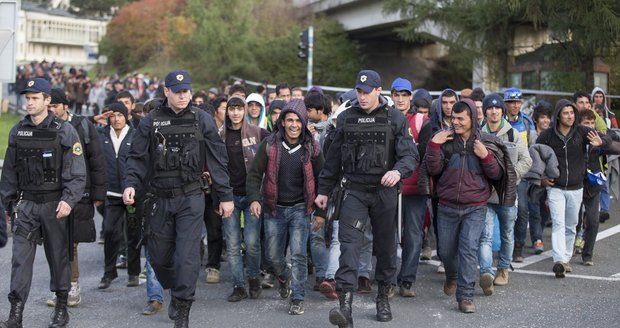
[15,316]
[182,320]
[342,316]
[384,313]
[60,318]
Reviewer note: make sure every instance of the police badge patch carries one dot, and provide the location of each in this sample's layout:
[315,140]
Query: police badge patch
[77,149]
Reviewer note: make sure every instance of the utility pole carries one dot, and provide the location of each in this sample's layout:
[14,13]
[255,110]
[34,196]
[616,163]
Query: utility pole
[306,51]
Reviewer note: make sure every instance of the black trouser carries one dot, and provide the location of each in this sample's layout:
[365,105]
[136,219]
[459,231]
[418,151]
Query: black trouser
[215,239]
[590,212]
[39,218]
[358,208]
[174,242]
[118,224]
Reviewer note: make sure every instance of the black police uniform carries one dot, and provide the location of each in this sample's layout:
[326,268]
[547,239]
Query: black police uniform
[365,147]
[42,166]
[174,148]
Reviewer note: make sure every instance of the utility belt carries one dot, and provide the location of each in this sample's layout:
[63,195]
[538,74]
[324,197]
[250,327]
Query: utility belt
[363,187]
[34,236]
[188,189]
[52,196]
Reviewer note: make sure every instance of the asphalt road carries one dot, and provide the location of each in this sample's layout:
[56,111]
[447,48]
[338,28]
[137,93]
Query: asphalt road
[589,297]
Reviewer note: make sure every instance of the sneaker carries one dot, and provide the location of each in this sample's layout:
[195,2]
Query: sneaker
[51,301]
[588,263]
[603,216]
[539,247]
[133,281]
[152,307]
[142,275]
[269,281]
[284,287]
[486,283]
[467,306]
[559,270]
[296,307]
[568,268]
[406,290]
[579,243]
[328,288]
[391,291]
[449,287]
[440,268]
[426,254]
[238,294]
[502,277]
[255,289]
[121,263]
[74,298]
[517,254]
[105,283]
[213,275]
[317,283]
[364,285]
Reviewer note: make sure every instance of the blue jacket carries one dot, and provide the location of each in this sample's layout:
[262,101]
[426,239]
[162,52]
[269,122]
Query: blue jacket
[116,166]
[522,124]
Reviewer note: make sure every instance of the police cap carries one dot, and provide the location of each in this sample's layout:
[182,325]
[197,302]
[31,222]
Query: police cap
[178,80]
[37,85]
[367,80]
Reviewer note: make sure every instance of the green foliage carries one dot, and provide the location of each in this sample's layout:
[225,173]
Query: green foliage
[214,39]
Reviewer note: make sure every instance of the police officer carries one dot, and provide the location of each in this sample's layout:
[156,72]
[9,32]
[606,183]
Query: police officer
[372,151]
[173,142]
[83,213]
[42,180]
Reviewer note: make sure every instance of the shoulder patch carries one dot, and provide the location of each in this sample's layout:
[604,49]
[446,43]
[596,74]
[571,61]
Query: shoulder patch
[77,149]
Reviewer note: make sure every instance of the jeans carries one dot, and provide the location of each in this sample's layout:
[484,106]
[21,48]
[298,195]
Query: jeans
[154,292]
[536,205]
[319,252]
[605,198]
[507,216]
[251,235]
[293,224]
[459,231]
[414,208]
[522,214]
[564,206]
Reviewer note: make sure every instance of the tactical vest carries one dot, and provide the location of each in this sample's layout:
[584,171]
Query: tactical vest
[368,146]
[179,146]
[39,157]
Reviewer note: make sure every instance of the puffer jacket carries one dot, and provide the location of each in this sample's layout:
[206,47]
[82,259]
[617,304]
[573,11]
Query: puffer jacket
[462,176]
[505,189]
[544,164]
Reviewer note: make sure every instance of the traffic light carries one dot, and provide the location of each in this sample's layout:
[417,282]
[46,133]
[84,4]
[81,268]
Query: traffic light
[303,44]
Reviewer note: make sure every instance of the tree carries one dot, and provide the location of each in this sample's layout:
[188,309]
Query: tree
[485,28]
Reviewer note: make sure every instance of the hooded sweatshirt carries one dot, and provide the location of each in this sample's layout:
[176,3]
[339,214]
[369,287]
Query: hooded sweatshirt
[274,165]
[570,150]
[241,146]
[609,116]
[262,117]
[278,103]
[462,176]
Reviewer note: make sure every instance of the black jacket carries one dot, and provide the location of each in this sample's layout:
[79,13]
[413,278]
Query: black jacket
[116,165]
[96,177]
[570,149]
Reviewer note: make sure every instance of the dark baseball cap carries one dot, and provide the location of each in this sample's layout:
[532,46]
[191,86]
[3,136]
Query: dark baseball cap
[178,80]
[59,97]
[37,85]
[367,80]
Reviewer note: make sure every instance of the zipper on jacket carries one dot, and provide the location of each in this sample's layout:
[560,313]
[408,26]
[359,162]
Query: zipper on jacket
[458,194]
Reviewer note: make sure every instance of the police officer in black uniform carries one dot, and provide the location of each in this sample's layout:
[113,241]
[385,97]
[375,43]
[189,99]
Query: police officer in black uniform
[42,180]
[371,152]
[173,142]
[82,216]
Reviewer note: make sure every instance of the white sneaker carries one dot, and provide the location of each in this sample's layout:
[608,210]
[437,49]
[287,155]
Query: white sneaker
[213,275]
[441,269]
[51,302]
[74,295]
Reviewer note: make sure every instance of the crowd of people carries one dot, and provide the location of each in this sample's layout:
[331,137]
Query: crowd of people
[282,184]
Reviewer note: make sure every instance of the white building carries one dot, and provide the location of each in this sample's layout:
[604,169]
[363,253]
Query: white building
[56,35]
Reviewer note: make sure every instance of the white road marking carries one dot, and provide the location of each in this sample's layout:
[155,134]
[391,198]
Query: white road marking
[568,275]
[545,255]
